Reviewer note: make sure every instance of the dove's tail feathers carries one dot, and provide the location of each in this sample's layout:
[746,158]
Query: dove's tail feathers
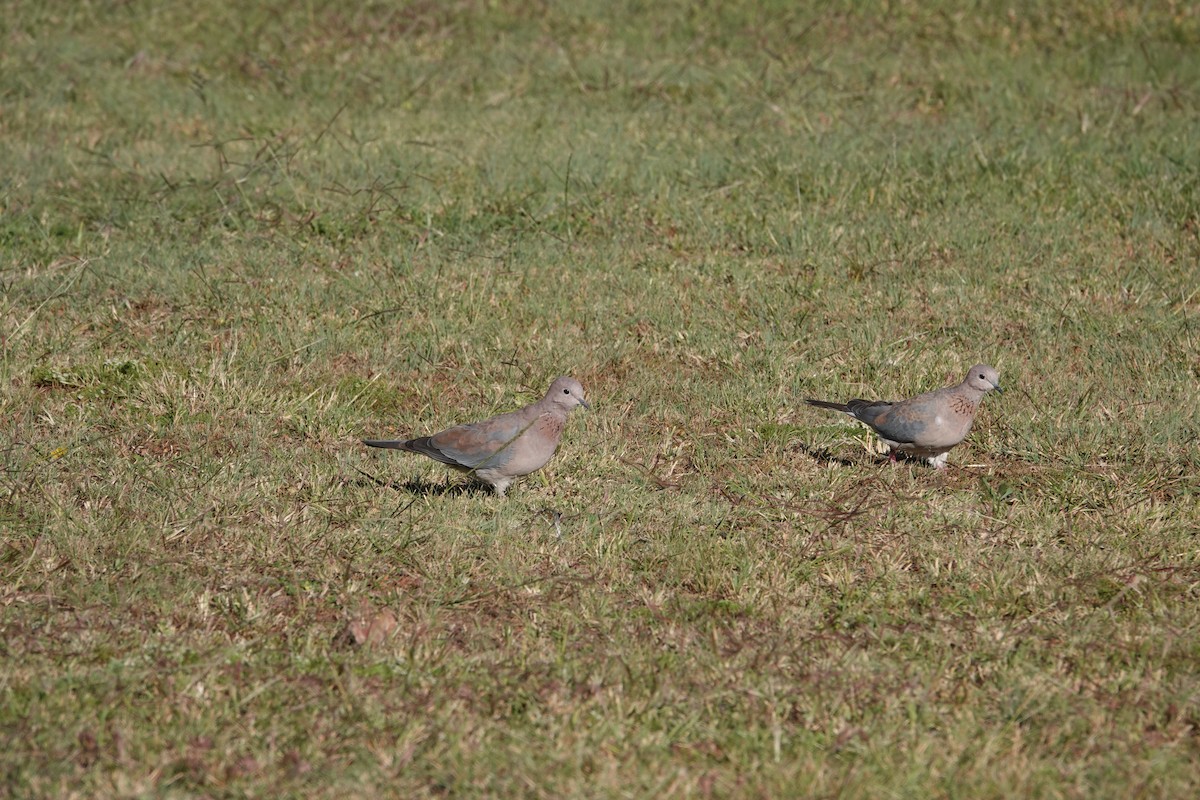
[392,444]
[826,404]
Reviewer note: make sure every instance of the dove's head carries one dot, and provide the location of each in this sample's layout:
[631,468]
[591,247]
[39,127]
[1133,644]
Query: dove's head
[566,392]
[983,378]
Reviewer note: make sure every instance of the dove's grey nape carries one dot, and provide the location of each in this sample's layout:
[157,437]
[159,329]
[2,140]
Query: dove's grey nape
[498,450]
[928,425]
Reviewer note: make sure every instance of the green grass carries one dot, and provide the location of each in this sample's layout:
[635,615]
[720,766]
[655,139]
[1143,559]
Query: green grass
[235,240]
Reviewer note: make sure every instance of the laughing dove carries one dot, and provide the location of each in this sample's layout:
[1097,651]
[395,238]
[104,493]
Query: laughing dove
[505,447]
[927,425]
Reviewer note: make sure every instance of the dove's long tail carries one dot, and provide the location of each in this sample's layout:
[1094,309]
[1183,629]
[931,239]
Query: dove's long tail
[393,444]
[842,407]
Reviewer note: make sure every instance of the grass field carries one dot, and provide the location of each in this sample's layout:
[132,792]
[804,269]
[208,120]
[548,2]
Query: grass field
[237,238]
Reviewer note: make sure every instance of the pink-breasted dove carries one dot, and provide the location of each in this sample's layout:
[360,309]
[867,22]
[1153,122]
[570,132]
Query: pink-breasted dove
[505,447]
[928,425]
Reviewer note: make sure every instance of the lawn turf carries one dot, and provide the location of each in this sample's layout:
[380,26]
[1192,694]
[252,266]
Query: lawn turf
[236,238]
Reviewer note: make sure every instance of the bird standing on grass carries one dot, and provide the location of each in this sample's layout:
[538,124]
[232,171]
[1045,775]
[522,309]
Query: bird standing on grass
[498,450]
[928,425]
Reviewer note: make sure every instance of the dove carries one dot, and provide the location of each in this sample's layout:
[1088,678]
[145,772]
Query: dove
[498,450]
[928,425]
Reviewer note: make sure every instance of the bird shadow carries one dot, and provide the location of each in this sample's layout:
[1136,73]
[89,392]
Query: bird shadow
[824,456]
[420,486]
